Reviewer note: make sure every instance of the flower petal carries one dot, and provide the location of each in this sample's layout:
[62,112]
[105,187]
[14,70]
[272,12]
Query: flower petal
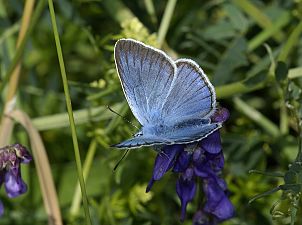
[165,160]
[217,202]
[221,115]
[150,184]
[14,185]
[186,189]
[224,210]
[182,162]
[212,143]
[200,218]
[22,153]
[215,161]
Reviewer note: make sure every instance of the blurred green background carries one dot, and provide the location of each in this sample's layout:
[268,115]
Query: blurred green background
[237,43]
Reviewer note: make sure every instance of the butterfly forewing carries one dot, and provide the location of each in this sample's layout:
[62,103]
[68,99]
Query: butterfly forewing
[146,75]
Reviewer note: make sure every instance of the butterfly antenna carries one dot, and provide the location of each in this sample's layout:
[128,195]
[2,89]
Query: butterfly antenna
[121,159]
[122,117]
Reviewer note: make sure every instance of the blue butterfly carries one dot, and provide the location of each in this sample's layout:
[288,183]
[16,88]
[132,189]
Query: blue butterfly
[172,100]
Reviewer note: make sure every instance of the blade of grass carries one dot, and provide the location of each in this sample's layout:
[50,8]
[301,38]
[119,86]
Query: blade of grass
[117,10]
[14,79]
[267,33]
[291,42]
[9,31]
[82,116]
[74,209]
[257,117]
[19,52]
[165,22]
[48,190]
[14,74]
[225,91]
[151,11]
[261,19]
[70,113]
[294,73]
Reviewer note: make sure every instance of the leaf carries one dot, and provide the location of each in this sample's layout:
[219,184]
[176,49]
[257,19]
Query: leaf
[264,194]
[233,58]
[256,79]
[296,188]
[294,91]
[281,71]
[222,30]
[237,18]
[290,177]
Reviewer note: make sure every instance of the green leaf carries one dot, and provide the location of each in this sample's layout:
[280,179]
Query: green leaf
[237,18]
[264,194]
[296,188]
[281,71]
[290,177]
[222,30]
[233,58]
[256,79]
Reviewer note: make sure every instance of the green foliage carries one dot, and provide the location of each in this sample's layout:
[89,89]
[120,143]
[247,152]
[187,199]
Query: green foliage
[251,51]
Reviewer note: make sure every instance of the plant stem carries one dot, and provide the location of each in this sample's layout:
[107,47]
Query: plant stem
[151,11]
[86,168]
[257,117]
[283,20]
[292,41]
[19,52]
[294,210]
[14,69]
[257,14]
[14,79]
[238,87]
[47,186]
[117,10]
[164,25]
[70,113]
[299,155]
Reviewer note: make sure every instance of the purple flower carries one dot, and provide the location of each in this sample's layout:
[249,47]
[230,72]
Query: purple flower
[186,189]
[203,160]
[10,173]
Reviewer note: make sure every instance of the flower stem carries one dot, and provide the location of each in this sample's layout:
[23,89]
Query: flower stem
[70,113]
[164,25]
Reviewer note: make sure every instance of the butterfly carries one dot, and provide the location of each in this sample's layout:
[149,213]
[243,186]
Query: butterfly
[172,100]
